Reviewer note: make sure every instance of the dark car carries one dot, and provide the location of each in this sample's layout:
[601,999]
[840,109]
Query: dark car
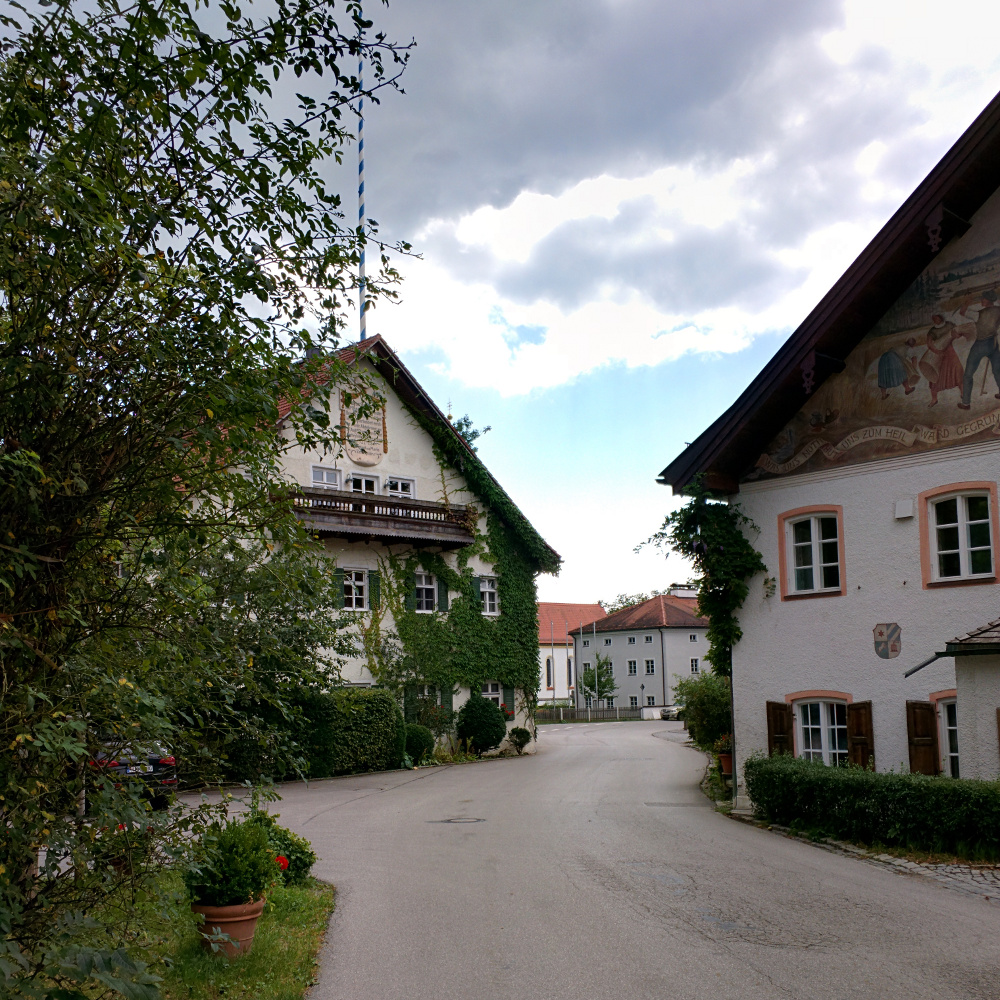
[153,766]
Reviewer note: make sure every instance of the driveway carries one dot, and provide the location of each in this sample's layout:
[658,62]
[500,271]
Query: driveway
[596,869]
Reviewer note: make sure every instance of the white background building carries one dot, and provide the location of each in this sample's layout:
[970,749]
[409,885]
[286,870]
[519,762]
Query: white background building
[556,666]
[649,645]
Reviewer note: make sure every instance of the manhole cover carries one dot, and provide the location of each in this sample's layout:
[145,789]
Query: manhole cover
[459,819]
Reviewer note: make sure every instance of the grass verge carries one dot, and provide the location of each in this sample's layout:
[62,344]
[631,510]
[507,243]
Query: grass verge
[281,966]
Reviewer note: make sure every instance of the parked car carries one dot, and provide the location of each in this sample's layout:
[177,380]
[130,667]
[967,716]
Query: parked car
[153,766]
[670,712]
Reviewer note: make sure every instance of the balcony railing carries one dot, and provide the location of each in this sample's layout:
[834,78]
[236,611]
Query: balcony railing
[361,516]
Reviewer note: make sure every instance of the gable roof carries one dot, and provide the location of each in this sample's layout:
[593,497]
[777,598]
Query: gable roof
[556,622]
[661,611]
[936,212]
[455,449]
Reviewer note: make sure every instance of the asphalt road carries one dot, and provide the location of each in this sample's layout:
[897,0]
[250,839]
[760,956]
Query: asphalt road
[595,869]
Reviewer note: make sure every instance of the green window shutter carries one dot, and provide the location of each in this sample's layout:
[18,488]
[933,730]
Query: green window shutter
[447,698]
[338,594]
[374,588]
[410,603]
[476,596]
[508,698]
[442,596]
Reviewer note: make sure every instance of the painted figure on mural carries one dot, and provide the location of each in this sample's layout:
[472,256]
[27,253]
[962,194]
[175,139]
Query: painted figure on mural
[983,347]
[940,364]
[893,371]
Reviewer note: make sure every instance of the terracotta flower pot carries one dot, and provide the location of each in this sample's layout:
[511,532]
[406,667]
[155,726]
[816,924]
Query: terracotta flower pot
[726,764]
[238,921]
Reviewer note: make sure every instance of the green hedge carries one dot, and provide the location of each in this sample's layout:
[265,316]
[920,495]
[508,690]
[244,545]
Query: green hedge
[343,732]
[947,815]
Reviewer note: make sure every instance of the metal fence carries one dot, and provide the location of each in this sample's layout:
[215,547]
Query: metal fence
[588,714]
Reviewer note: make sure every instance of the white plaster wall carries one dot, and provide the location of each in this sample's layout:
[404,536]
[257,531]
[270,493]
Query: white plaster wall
[978,682]
[827,643]
[671,651]
[561,690]
[410,456]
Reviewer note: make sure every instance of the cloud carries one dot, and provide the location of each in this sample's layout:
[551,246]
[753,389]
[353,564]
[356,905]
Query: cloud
[626,182]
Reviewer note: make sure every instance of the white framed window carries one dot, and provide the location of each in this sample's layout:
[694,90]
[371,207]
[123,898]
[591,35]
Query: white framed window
[822,731]
[569,671]
[609,702]
[632,668]
[949,736]
[356,589]
[814,546]
[400,488]
[586,667]
[491,691]
[588,701]
[631,640]
[633,701]
[488,595]
[960,539]
[429,692]
[695,668]
[647,638]
[426,592]
[650,700]
[323,477]
[607,642]
[693,637]
[548,671]
[586,643]
[650,666]
[358,483]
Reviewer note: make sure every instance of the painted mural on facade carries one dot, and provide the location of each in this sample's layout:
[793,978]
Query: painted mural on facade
[926,376]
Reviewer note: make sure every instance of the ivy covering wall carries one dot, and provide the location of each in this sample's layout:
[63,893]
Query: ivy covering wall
[457,645]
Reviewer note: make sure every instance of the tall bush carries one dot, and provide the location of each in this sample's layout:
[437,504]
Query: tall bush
[707,708]
[481,724]
[851,803]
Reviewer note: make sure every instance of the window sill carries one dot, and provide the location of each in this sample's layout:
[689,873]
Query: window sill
[811,594]
[964,581]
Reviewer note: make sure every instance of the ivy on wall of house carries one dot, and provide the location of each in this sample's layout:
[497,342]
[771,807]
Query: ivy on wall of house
[713,535]
[458,646]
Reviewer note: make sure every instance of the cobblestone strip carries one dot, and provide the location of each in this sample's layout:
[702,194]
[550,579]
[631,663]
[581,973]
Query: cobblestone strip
[973,880]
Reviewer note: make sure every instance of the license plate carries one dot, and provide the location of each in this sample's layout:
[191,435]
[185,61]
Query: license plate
[140,769]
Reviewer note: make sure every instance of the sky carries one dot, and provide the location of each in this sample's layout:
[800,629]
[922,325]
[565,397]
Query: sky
[623,207]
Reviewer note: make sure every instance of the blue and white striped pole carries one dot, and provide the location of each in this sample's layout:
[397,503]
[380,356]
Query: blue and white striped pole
[361,197]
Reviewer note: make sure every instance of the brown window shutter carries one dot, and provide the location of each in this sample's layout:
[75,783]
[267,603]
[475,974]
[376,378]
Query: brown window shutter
[860,734]
[921,730]
[779,728]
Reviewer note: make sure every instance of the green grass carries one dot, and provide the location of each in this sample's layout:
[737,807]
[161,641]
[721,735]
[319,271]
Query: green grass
[281,966]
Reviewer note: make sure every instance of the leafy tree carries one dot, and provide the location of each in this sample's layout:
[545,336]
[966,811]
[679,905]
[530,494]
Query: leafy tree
[470,434]
[623,601]
[602,685]
[713,535]
[707,702]
[169,249]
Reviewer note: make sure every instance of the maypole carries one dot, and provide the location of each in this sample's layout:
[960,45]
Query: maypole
[361,190]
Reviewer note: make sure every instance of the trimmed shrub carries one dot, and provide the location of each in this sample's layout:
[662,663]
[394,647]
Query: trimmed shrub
[296,850]
[519,738]
[946,815]
[481,724]
[706,704]
[419,742]
[233,865]
[348,731]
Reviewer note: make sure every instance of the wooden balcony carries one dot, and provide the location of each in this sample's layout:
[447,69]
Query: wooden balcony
[390,520]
